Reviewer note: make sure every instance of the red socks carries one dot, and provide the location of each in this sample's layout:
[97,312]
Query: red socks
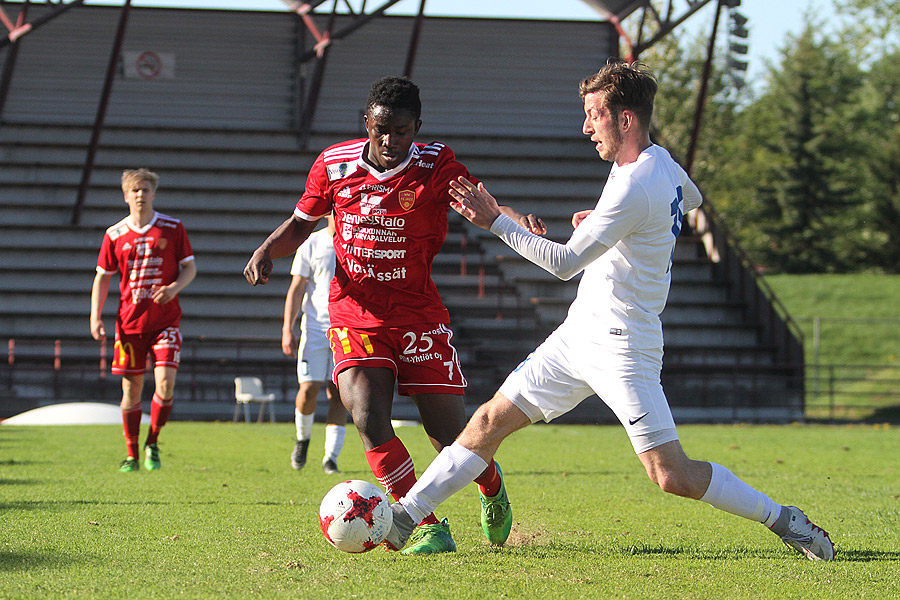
[131,424]
[489,481]
[394,469]
[160,409]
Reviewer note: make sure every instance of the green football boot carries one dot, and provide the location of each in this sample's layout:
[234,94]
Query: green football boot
[431,539]
[151,457]
[496,514]
[128,465]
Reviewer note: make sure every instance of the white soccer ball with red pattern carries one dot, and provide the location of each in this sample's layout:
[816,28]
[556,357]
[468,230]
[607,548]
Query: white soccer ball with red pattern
[355,516]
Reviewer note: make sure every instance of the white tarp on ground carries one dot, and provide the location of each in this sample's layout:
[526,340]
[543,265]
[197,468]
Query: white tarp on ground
[73,413]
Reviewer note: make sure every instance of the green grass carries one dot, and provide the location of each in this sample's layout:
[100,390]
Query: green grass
[859,348]
[837,298]
[228,517]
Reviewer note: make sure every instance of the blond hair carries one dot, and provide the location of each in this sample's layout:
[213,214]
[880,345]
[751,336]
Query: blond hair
[132,176]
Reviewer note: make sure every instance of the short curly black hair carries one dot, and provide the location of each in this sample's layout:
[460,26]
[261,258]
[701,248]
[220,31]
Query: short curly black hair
[394,93]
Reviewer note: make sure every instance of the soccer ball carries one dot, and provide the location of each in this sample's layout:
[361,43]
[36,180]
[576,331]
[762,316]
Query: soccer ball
[355,516]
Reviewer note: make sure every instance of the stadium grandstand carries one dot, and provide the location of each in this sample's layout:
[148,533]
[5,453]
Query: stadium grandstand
[231,107]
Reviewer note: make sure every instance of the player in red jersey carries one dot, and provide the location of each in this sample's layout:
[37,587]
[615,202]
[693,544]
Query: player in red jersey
[153,257]
[389,197]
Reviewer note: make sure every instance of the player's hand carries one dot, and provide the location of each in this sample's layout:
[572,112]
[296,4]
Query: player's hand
[289,343]
[162,294]
[580,216]
[98,330]
[533,224]
[258,268]
[473,202]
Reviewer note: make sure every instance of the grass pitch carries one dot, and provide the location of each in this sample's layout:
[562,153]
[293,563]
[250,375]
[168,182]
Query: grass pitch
[227,517]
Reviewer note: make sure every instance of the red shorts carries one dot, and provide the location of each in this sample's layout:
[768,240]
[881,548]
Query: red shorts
[421,356]
[131,350]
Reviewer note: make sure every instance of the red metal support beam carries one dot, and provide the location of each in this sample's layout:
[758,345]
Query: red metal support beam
[701,95]
[9,64]
[414,40]
[18,30]
[315,86]
[88,169]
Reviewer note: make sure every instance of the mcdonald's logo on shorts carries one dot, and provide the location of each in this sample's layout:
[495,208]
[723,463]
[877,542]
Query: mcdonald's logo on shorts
[122,353]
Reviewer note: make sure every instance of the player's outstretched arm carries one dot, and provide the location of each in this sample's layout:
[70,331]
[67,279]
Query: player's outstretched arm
[530,222]
[475,202]
[580,216]
[282,242]
[562,260]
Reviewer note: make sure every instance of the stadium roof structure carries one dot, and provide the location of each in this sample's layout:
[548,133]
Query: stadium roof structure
[652,26]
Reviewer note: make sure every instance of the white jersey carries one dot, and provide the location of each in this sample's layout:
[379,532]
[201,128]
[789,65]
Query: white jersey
[638,217]
[315,261]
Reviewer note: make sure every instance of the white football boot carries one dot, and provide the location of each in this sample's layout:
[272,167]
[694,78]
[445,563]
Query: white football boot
[806,537]
[401,528]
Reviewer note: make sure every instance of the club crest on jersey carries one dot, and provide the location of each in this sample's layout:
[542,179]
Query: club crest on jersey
[407,199]
[161,243]
[337,171]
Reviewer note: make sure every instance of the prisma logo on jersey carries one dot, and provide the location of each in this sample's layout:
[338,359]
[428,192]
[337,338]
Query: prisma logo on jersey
[370,204]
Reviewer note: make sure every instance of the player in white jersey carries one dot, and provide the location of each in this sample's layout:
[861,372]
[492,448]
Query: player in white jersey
[312,272]
[611,341]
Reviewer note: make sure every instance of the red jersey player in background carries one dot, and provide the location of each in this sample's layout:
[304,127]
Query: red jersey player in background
[153,257]
[389,197]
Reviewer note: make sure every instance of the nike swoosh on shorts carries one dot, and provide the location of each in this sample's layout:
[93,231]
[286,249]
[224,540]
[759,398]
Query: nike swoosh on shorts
[636,419]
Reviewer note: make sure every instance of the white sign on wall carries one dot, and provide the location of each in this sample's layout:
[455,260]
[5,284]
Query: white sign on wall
[148,65]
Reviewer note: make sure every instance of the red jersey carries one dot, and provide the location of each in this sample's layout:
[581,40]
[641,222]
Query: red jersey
[390,225]
[146,257]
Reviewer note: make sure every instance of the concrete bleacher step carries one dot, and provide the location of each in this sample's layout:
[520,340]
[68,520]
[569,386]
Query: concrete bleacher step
[231,188]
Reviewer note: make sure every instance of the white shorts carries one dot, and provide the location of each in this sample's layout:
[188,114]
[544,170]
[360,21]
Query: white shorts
[314,358]
[558,375]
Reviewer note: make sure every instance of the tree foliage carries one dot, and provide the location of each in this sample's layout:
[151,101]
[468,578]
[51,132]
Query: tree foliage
[807,171]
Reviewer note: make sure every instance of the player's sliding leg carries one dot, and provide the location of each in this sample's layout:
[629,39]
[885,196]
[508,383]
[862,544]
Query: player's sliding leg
[674,472]
[460,463]
[727,492]
[393,467]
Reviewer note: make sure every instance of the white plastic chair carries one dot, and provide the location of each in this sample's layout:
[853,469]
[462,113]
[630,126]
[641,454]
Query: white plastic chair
[250,389]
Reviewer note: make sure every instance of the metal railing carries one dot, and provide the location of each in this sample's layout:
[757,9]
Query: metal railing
[853,392]
[733,264]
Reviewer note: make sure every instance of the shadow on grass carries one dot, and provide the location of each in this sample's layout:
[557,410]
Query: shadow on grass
[561,473]
[21,463]
[656,551]
[67,504]
[866,555]
[5,481]
[888,414]
[31,559]
[687,552]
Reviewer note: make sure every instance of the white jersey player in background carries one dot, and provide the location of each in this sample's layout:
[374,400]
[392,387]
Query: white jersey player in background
[611,342]
[312,272]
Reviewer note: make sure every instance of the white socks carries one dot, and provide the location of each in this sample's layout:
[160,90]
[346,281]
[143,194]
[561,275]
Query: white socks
[304,424]
[727,492]
[453,469]
[334,441]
